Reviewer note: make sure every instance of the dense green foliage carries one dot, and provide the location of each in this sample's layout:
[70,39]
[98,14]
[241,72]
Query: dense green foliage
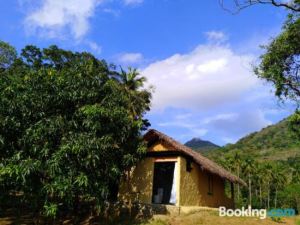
[280,64]
[294,124]
[7,55]
[269,162]
[201,145]
[70,125]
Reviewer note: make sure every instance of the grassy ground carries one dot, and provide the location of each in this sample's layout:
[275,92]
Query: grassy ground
[212,218]
[199,218]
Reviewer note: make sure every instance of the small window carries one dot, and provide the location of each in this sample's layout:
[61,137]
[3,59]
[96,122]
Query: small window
[210,184]
[188,165]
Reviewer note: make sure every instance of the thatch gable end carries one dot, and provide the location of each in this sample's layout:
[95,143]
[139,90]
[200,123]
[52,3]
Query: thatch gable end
[152,136]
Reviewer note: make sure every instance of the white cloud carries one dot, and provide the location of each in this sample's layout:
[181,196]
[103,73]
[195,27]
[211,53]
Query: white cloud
[114,12]
[211,88]
[133,2]
[192,128]
[225,116]
[52,17]
[238,124]
[176,124]
[199,132]
[223,127]
[95,47]
[216,36]
[128,58]
[184,120]
[209,76]
[212,66]
[183,116]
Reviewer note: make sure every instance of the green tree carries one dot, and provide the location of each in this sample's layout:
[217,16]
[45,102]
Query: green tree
[260,178]
[8,55]
[279,181]
[248,169]
[237,161]
[291,196]
[67,133]
[294,124]
[268,171]
[280,64]
[133,84]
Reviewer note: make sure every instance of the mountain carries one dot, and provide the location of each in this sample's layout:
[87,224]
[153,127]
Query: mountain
[272,143]
[201,145]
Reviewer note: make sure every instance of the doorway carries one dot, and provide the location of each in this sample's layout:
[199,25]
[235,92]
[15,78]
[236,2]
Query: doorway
[163,182]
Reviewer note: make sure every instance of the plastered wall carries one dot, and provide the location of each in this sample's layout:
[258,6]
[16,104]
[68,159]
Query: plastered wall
[192,187]
[139,186]
[159,146]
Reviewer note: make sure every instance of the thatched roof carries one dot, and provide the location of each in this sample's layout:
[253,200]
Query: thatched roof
[205,163]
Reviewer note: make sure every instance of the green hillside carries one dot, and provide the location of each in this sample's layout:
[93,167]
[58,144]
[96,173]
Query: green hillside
[274,142]
[201,145]
[269,162]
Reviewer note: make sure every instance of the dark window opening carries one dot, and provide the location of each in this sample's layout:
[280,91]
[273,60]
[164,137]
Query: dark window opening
[188,165]
[162,182]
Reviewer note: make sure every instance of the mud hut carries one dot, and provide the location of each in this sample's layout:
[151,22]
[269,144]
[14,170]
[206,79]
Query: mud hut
[173,174]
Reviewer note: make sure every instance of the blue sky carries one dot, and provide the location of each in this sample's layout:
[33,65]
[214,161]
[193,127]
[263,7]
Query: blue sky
[197,56]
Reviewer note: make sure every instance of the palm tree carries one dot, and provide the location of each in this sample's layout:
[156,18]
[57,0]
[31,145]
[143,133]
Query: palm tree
[260,179]
[268,171]
[248,169]
[295,170]
[139,102]
[131,79]
[237,160]
[133,84]
[279,180]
